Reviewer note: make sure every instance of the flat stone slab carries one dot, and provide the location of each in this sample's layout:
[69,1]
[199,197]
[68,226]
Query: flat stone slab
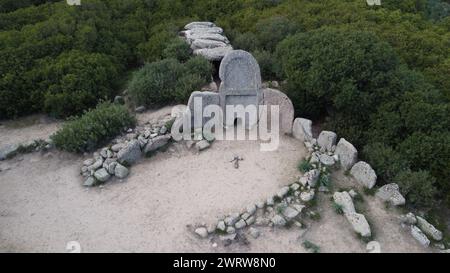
[348,155]
[429,229]
[302,129]
[327,140]
[390,193]
[273,97]
[364,174]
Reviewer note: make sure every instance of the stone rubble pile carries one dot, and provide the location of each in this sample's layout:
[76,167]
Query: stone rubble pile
[284,208]
[10,150]
[422,230]
[206,39]
[115,159]
[357,220]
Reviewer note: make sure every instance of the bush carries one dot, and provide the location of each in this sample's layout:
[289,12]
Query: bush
[386,162]
[177,49]
[93,128]
[328,70]
[271,31]
[168,81]
[417,187]
[267,64]
[246,41]
[76,81]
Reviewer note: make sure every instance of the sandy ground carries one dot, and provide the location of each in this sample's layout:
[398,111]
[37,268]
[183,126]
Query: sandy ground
[43,205]
[27,129]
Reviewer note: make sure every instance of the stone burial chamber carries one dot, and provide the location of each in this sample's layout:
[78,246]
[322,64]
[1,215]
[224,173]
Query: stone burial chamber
[241,87]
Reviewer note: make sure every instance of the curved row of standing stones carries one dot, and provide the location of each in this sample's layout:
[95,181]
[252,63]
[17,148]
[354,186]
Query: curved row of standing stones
[206,39]
[290,203]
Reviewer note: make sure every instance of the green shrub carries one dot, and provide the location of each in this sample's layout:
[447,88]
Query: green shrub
[417,187]
[267,64]
[245,41]
[304,166]
[271,31]
[386,162]
[93,128]
[168,81]
[328,70]
[177,49]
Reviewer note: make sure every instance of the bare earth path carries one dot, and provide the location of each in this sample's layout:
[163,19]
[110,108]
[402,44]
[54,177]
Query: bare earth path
[43,205]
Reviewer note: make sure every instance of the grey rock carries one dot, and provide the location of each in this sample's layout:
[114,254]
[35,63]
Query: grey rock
[408,218]
[251,209]
[104,152]
[204,99]
[327,140]
[298,207]
[250,220]
[196,35]
[121,171]
[88,162]
[273,97]
[214,54]
[290,213]
[202,232]
[240,224]
[117,147]
[102,175]
[302,129]
[241,84]
[140,109]
[390,193]
[310,178]
[254,232]
[326,160]
[8,151]
[294,186]
[364,174]
[221,226]
[278,220]
[97,164]
[112,167]
[202,145]
[345,201]
[282,192]
[89,182]
[156,143]
[419,236]
[193,25]
[429,229]
[307,196]
[205,43]
[163,130]
[130,153]
[231,219]
[359,224]
[202,31]
[231,230]
[270,201]
[245,215]
[142,141]
[347,153]
[260,204]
